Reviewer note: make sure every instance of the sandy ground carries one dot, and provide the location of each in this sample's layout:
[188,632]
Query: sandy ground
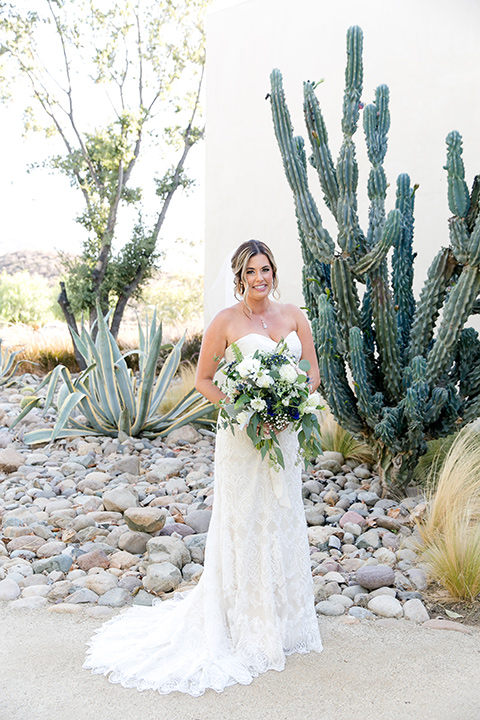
[365,671]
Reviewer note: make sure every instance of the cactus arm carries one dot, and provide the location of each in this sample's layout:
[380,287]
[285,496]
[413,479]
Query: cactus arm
[353,80]
[402,263]
[334,383]
[350,236]
[376,123]
[386,333]
[346,297]
[321,158]
[458,197]
[373,259]
[369,403]
[431,300]
[455,314]
[296,173]
[459,238]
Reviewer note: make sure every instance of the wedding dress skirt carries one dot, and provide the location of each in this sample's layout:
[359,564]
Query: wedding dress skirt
[254,602]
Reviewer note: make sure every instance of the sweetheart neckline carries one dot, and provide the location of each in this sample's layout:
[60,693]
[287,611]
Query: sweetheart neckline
[261,335]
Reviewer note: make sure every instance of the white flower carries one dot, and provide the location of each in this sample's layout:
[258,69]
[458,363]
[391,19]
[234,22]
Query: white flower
[288,373]
[263,379]
[243,418]
[313,400]
[248,366]
[258,404]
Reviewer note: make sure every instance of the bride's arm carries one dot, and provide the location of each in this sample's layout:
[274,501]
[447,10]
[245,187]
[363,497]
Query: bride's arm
[308,348]
[212,350]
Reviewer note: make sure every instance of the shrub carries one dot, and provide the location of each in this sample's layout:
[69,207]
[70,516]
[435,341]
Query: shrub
[26,298]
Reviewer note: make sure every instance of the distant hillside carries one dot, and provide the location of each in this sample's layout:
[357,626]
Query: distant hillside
[46,264]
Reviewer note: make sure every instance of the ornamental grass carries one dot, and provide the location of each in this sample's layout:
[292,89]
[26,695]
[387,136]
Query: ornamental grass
[450,530]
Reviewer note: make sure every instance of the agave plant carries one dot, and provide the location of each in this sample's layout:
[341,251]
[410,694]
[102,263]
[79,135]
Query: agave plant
[8,364]
[107,398]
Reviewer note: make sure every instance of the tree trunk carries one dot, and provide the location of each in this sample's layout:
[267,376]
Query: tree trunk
[71,323]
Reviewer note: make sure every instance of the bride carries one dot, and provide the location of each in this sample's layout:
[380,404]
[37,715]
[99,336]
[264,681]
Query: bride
[254,602]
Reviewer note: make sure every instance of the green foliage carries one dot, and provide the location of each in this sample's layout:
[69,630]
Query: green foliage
[26,298]
[177,299]
[110,397]
[8,364]
[390,376]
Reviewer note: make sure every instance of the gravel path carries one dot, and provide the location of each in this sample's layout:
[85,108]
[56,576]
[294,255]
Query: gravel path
[400,672]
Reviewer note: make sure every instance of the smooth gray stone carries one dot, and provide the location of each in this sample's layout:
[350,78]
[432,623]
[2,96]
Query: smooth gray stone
[116,597]
[61,563]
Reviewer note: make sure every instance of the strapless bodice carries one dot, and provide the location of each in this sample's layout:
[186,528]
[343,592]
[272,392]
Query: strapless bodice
[256,341]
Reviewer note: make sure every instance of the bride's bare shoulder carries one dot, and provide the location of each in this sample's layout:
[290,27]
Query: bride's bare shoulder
[223,319]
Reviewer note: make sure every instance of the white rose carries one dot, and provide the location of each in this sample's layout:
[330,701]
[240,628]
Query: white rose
[243,418]
[263,380]
[258,404]
[313,400]
[288,373]
[248,366]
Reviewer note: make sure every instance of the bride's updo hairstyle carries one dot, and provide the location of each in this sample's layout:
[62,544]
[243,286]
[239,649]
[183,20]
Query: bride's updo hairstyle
[240,261]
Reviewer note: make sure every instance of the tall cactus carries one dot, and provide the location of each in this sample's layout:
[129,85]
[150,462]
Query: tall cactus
[392,372]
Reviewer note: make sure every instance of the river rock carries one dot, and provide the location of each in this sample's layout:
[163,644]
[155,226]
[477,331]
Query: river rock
[84,595]
[386,606]
[29,603]
[352,518]
[10,460]
[116,597]
[325,607]
[199,520]
[168,549]
[50,549]
[145,520]
[94,481]
[61,563]
[101,583]
[25,542]
[9,589]
[416,611]
[177,527]
[119,499]
[196,546]
[447,625]
[162,577]
[187,433]
[418,577]
[375,576]
[94,558]
[369,539]
[123,560]
[134,542]
[166,467]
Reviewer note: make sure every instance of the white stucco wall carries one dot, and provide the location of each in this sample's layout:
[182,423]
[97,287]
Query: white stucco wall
[426,51]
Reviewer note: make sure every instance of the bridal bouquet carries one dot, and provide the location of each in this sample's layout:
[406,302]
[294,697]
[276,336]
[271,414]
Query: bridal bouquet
[266,391]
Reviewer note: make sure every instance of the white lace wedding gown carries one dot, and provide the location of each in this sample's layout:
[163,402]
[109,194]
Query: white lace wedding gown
[254,602]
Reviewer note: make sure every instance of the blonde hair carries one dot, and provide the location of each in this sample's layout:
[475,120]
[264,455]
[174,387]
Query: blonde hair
[240,259]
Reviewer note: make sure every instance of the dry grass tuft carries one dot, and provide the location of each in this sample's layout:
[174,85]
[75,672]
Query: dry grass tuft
[335,438]
[179,387]
[450,531]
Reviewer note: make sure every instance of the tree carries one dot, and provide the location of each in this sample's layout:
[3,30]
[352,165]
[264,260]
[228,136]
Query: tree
[110,80]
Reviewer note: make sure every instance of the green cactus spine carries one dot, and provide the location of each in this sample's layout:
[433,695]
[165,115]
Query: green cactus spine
[413,376]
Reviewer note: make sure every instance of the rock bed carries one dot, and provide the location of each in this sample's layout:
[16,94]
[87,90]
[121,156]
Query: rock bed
[101,523]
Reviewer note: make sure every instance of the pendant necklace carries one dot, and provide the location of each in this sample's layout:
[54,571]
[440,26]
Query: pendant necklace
[264,324]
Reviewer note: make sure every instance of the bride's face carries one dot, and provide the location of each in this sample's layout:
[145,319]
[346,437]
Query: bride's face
[259,276]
